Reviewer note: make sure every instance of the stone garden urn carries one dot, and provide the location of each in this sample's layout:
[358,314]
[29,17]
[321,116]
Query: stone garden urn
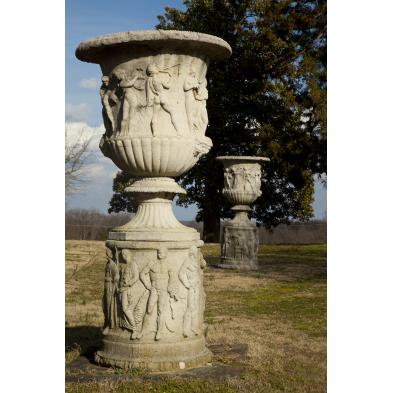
[153,96]
[242,186]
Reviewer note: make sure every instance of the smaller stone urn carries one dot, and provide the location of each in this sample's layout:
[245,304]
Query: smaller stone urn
[242,183]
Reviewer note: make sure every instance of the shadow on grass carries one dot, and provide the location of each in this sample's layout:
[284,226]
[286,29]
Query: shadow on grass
[212,260]
[281,268]
[84,340]
[289,269]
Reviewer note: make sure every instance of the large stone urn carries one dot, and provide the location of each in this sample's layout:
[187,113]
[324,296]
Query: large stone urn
[153,95]
[242,186]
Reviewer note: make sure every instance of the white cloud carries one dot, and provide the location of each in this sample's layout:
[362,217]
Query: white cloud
[78,130]
[111,168]
[98,169]
[91,83]
[75,113]
[95,171]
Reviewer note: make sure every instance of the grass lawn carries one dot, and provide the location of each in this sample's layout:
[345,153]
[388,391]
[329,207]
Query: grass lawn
[279,312]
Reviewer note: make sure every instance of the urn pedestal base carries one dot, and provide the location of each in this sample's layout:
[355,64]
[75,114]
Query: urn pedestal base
[239,246]
[157,309]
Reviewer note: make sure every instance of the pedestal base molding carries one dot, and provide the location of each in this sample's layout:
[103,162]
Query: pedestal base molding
[154,356]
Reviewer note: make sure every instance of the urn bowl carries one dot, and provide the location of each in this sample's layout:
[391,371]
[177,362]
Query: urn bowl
[153,95]
[242,178]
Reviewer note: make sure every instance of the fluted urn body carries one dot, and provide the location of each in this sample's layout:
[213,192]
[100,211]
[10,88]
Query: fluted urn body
[153,96]
[242,186]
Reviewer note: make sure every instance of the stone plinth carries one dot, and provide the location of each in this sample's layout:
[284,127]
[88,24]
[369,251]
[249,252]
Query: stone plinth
[240,240]
[239,246]
[153,94]
[158,304]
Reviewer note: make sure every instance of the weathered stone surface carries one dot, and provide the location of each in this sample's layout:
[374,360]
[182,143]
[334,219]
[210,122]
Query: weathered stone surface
[239,247]
[242,183]
[127,43]
[153,95]
[160,300]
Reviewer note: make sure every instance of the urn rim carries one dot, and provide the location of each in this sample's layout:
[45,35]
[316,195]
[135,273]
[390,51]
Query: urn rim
[215,48]
[242,158]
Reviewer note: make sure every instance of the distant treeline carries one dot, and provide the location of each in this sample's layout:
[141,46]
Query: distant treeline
[90,224]
[312,232]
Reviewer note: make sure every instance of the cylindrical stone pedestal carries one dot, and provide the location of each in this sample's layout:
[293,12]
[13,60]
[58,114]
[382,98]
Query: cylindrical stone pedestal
[160,303]
[239,245]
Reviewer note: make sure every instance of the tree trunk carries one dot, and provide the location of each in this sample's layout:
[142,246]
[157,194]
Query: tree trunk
[211,226]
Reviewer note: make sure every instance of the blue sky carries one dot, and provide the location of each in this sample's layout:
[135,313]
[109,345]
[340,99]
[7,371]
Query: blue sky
[87,19]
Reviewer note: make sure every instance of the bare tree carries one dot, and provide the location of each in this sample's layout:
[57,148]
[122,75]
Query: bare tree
[76,153]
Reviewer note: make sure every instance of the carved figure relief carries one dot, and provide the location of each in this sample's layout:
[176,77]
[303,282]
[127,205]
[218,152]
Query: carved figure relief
[157,94]
[257,180]
[196,95]
[130,86]
[240,244]
[201,96]
[238,178]
[142,99]
[136,300]
[108,100]
[252,182]
[190,277]
[226,244]
[158,278]
[202,264]
[190,87]
[110,292]
[243,180]
[240,247]
[131,295]
[228,178]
